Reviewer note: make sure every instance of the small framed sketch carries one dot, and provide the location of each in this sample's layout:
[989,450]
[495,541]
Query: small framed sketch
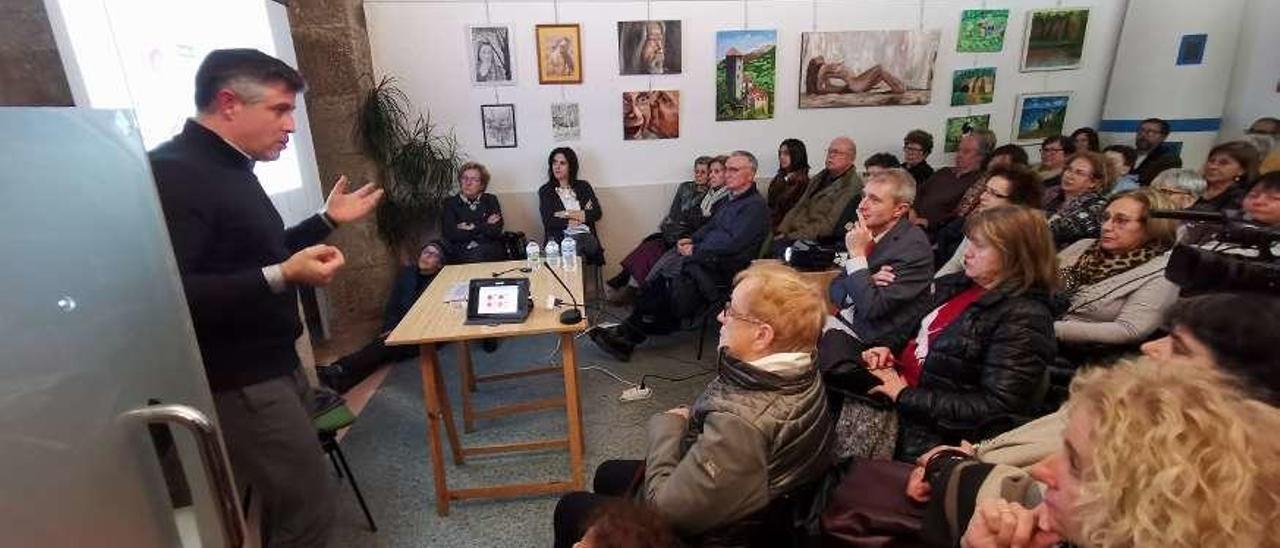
[1040,115]
[499,123]
[490,54]
[565,124]
[1055,39]
[559,53]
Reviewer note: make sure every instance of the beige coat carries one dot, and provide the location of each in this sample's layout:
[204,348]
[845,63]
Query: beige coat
[1122,309]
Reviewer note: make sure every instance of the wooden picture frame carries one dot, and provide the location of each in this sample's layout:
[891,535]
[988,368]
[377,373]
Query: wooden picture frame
[559,48]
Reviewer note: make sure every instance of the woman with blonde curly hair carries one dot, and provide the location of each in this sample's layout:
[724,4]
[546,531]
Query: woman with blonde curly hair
[1152,455]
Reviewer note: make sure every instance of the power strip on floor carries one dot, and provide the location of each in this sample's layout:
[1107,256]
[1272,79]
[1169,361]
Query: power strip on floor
[636,393]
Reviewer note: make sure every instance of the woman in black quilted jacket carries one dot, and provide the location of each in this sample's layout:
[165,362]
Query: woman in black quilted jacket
[976,365]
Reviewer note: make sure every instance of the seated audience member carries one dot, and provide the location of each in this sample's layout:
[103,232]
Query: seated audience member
[1271,127]
[1121,159]
[882,240]
[1152,455]
[569,205]
[1227,174]
[1203,330]
[879,163]
[1075,206]
[916,148]
[617,523]
[1008,155]
[688,199]
[1181,186]
[1053,159]
[937,198]
[471,222]
[758,431]
[1113,288]
[412,279]
[1086,139]
[1004,186]
[1262,203]
[1154,155]
[672,259]
[969,202]
[709,258]
[816,216]
[791,181]
[975,365]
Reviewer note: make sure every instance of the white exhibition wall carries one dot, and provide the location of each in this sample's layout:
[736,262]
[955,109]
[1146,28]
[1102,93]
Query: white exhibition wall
[422,44]
[1255,82]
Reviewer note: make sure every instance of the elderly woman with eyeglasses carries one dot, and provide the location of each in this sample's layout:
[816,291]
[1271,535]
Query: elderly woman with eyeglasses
[758,431]
[1182,187]
[1113,288]
[1053,159]
[471,221]
[1075,206]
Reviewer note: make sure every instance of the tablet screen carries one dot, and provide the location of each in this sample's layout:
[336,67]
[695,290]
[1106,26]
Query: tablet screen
[498,299]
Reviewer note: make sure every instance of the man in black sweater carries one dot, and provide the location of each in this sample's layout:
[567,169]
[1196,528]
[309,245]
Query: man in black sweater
[239,268]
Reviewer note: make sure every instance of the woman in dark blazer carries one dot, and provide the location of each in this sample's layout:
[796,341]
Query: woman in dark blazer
[471,221]
[569,205]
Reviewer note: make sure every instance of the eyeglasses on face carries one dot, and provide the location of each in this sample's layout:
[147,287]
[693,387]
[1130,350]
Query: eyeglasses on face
[1171,191]
[1051,149]
[987,189]
[1121,220]
[729,312]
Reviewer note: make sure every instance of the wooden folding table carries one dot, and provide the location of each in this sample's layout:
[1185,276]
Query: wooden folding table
[432,321]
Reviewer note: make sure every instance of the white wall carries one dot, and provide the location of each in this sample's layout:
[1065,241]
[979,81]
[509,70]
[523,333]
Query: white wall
[1253,93]
[422,44]
[1147,82]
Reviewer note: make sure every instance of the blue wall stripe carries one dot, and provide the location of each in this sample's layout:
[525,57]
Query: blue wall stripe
[1183,125]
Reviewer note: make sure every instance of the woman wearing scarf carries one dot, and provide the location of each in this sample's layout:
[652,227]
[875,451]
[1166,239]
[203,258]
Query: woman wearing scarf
[1113,288]
[1075,206]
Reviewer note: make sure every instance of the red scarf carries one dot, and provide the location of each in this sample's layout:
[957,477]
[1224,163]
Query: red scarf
[908,365]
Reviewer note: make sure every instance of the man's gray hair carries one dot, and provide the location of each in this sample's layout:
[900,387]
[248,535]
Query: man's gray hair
[904,185]
[1186,180]
[755,166]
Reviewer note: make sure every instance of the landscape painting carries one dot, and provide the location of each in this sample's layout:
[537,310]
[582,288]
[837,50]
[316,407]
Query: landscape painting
[867,68]
[1055,39]
[746,69]
[982,31]
[975,86]
[959,126]
[1040,115]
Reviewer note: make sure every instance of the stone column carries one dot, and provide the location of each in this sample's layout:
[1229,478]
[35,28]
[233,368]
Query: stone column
[30,70]
[332,45]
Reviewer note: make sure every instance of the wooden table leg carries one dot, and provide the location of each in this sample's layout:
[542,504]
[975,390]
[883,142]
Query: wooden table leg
[573,409]
[468,386]
[431,400]
[446,413]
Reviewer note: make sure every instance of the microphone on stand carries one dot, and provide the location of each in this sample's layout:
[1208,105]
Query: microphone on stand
[572,315]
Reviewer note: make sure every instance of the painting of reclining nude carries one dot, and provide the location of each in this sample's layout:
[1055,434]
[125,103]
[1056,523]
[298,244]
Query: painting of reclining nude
[867,68]
[648,115]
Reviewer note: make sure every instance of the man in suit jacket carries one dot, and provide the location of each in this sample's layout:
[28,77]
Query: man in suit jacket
[239,269]
[1154,155]
[883,239]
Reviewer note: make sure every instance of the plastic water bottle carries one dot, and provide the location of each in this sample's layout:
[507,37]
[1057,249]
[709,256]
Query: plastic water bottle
[569,253]
[533,253]
[553,253]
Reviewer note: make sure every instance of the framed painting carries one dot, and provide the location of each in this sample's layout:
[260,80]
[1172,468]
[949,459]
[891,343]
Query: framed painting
[648,47]
[559,53]
[746,66]
[982,31]
[975,86]
[867,68]
[499,124]
[1040,115]
[649,115]
[490,54]
[1055,39]
[960,126]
